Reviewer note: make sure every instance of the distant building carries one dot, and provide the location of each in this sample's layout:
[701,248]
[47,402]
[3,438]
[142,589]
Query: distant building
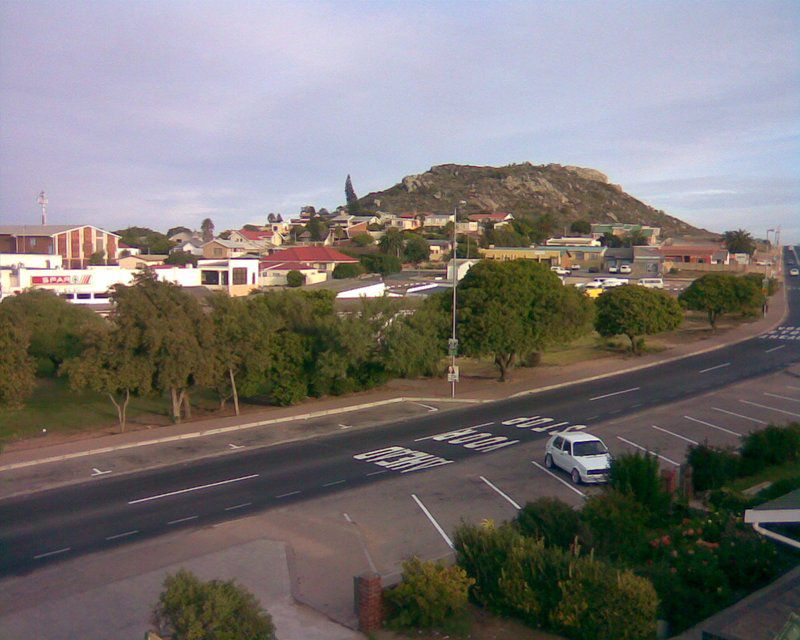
[710,253]
[439,249]
[219,249]
[141,261]
[322,258]
[74,243]
[621,230]
[352,288]
[573,241]
[497,220]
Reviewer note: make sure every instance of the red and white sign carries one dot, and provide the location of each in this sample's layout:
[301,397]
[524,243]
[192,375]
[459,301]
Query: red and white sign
[61,280]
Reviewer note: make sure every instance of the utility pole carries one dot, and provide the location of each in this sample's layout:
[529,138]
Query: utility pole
[452,373]
[42,201]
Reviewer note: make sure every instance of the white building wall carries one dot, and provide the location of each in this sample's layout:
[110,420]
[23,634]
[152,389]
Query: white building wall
[32,260]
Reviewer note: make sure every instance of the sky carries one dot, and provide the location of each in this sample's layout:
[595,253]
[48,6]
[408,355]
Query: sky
[163,113]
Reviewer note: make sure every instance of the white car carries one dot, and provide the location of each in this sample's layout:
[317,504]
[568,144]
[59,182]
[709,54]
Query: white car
[652,283]
[576,267]
[583,456]
[613,269]
[592,284]
[625,268]
[560,271]
[794,272]
[608,283]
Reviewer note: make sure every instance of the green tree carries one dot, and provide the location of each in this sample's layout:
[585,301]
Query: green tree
[347,270]
[181,258]
[380,263]
[416,249]
[316,228]
[113,364]
[739,241]
[351,197]
[611,241]
[714,294]
[363,240]
[295,279]
[414,345]
[635,311]
[147,240]
[207,229]
[583,227]
[189,609]
[392,242]
[97,258]
[17,368]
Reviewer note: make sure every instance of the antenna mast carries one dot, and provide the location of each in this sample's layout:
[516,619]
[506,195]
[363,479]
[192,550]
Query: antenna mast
[42,200]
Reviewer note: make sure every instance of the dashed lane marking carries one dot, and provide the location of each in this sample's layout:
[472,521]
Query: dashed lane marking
[238,506]
[377,473]
[433,521]
[765,406]
[286,495]
[658,455]
[52,553]
[775,348]
[179,520]
[719,366]
[672,433]
[616,393]
[123,535]
[775,395]
[335,482]
[739,415]
[502,493]
[562,481]
[198,488]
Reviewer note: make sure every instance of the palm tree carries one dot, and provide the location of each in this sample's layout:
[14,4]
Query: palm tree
[391,242]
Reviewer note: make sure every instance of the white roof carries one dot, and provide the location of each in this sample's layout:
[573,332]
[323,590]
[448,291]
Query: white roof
[578,436]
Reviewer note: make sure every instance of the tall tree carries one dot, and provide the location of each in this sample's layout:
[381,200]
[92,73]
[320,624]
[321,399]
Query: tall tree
[716,294]
[316,228]
[635,311]
[581,226]
[350,195]
[416,249]
[739,241]
[207,229]
[391,242]
[17,369]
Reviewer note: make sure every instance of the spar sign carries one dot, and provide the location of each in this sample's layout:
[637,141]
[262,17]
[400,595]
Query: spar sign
[61,280]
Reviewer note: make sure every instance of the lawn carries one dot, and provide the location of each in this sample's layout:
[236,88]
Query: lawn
[770,474]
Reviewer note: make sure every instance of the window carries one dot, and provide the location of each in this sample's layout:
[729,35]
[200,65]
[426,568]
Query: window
[239,275]
[209,277]
[589,448]
[101,296]
[84,296]
[558,443]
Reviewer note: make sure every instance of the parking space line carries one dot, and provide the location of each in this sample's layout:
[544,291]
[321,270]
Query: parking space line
[52,553]
[657,455]
[764,406]
[714,426]
[202,486]
[123,535]
[505,495]
[719,366]
[672,433]
[739,415]
[561,480]
[775,348]
[433,521]
[775,395]
[616,393]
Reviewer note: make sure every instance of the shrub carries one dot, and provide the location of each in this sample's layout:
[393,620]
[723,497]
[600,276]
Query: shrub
[637,475]
[430,595]
[363,240]
[380,263]
[551,519]
[347,270]
[777,489]
[730,500]
[770,446]
[747,559]
[295,279]
[598,602]
[712,466]
[614,525]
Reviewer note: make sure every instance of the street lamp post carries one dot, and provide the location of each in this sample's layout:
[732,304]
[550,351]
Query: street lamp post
[453,346]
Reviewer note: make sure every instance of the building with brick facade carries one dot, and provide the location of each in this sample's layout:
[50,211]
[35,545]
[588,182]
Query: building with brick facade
[74,243]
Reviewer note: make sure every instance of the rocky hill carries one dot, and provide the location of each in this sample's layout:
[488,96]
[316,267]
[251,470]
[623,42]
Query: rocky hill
[526,190]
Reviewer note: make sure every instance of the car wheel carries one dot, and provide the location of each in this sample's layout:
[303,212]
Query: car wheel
[576,477]
[548,461]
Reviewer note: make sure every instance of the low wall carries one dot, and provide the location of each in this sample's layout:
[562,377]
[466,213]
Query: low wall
[715,268]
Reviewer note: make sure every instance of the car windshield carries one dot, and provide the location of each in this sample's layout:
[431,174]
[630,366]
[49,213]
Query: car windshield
[589,448]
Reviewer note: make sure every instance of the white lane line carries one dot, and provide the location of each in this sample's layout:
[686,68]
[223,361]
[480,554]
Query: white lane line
[179,520]
[764,406]
[719,366]
[433,521]
[505,495]
[52,553]
[714,426]
[427,406]
[238,506]
[330,484]
[616,393]
[477,426]
[672,433]
[377,473]
[590,418]
[658,455]
[739,415]
[775,348]
[564,482]
[286,495]
[775,395]
[202,486]
[345,426]
[123,535]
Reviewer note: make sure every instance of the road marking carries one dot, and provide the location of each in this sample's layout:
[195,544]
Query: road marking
[330,484]
[238,506]
[427,406]
[633,406]
[51,553]
[506,496]
[775,395]
[477,426]
[719,366]
[714,426]
[657,455]
[286,495]
[739,415]
[562,481]
[433,521]
[616,393]
[235,446]
[202,486]
[775,348]
[377,473]
[345,426]
[791,386]
[590,418]
[677,435]
[123,535]
[764,406]
[361,539]
[179,520]
[97,472]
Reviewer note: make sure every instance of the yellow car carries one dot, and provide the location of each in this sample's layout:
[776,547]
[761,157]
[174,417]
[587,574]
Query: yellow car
[593,292]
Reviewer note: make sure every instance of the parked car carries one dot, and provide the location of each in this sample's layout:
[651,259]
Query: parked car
[608,283]
[560,271]
[583,456]
[576,267]
[597,282]
[652,283]
[613,269]
[593,292]
[794,272]
[625,268]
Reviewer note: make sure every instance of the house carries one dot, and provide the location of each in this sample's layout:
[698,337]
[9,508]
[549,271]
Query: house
[352,288]
[266,239]
[74,243]
[439,249]
[141,261]
[356,229]
[539,254]
[322,258]
[273,274]
[405,221]
[497,220]
[621,230]
[236,276]
[468,226]
[614,257]
[184,236]
[461,269]
[127,250]
[573,241]
[709,253]
[586,257]
[439,219]
[647,260]
[192,245]
[220,249]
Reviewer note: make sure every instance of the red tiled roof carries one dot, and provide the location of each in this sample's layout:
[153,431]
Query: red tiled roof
[283,266]
[309,254]
[255,235]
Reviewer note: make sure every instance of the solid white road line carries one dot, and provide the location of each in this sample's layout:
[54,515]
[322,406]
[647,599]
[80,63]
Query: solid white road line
[775,348]
[433,521]
[330,484]
[672,433]
[739,415]
[562,481]
[616,393]
[658,455]
[202,486]
[714,426]
[505,495]
[775,395]
[286,495]
[238,506]
[179,520]
[764,406]
[123,535]
[52,553]
[719,366]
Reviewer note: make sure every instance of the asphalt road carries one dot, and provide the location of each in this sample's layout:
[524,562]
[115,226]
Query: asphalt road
[80,519]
